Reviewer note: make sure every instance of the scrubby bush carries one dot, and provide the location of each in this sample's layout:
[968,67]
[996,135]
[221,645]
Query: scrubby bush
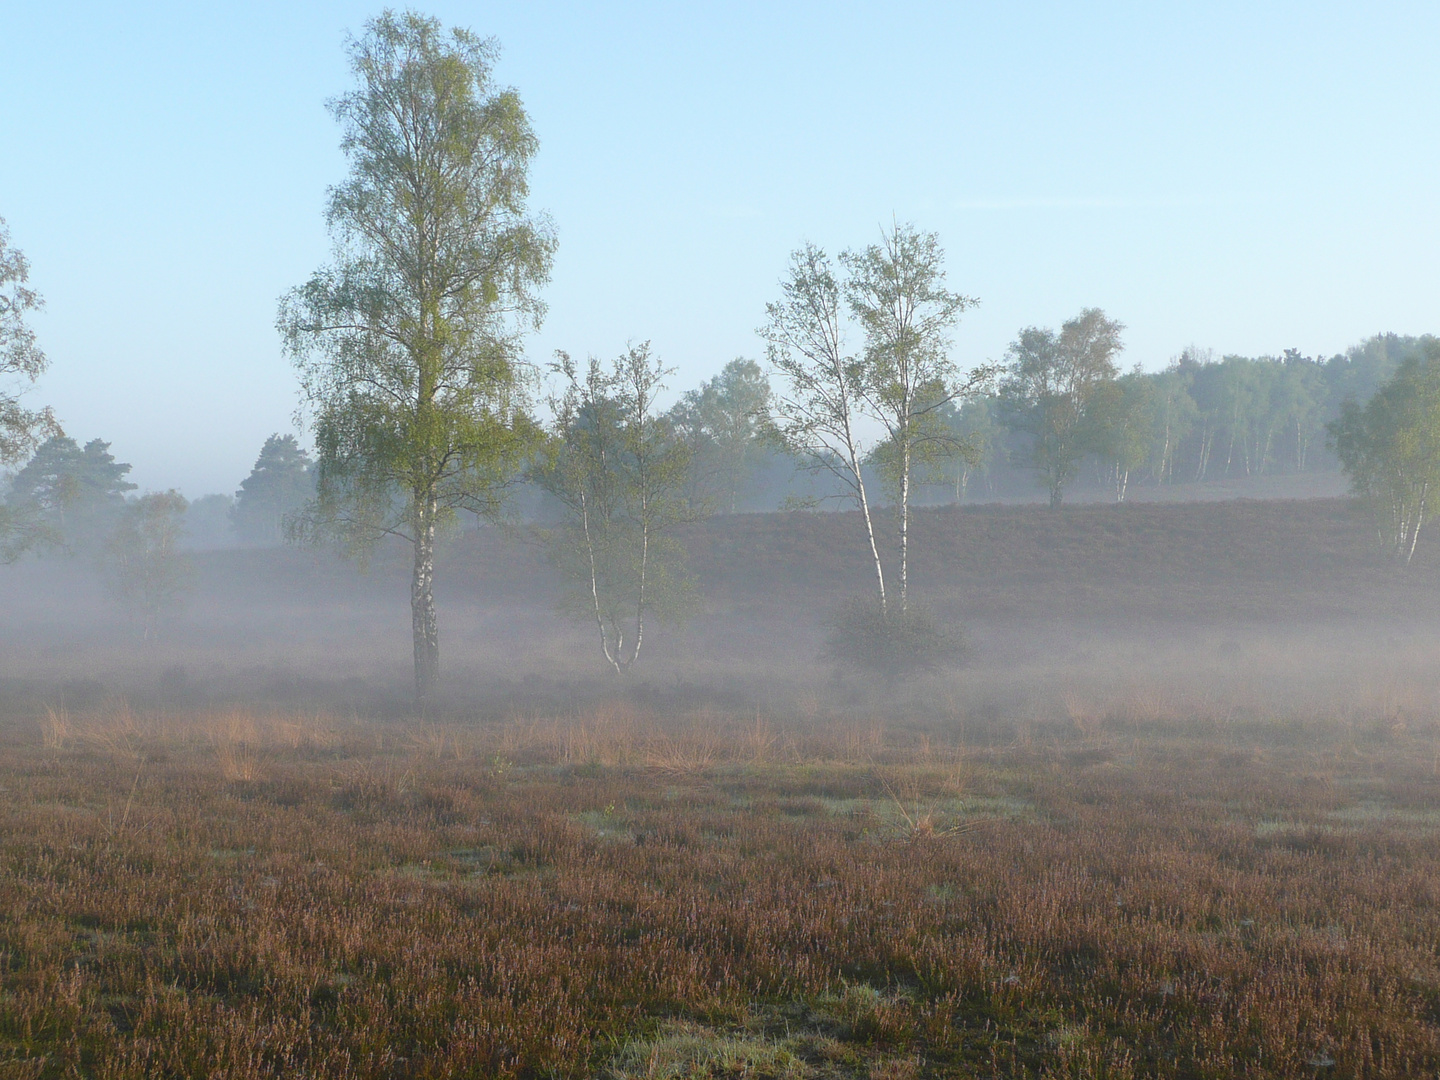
[889,641]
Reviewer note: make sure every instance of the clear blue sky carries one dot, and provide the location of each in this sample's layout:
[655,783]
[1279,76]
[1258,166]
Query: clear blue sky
[1247,177]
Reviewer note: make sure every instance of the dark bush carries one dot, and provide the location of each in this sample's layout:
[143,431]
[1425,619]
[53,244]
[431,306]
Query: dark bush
[884,640]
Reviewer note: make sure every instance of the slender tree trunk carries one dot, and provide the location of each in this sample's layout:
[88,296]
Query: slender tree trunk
[874,547]
[595,582]
[425,627]
[640,600]
[905,525]
[643,474]
[869,520]
[1419,520]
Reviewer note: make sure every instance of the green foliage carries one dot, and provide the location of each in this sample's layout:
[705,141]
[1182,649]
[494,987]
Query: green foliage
[620,472]
[974,444]
[1048,389]
[888,641]
[1205,418]
[1175,415]
[144,567]
[1253,416]
[21,359]
[74,495]
[405,345]
[726,421]
[1390,449]
[21,362]
[279,486]
[1119,426]
[408,344]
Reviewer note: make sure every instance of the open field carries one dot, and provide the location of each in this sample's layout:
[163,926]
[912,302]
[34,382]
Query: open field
[623,894]
[1179,816]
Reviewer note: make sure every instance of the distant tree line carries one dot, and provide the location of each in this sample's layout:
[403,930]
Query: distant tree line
[1066,412]
[1059,414]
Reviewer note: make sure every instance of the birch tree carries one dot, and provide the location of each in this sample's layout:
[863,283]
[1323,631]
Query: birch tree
[1120,427]
[407,345]
[1048,388]
[817,412]
[897,387]
[896,291]
[620,472]
[726,421]
[1390,450]
[22,361]
[1175,415]
[974,444]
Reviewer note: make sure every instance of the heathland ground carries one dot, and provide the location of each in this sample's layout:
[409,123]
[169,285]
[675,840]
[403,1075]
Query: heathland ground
[1176,816]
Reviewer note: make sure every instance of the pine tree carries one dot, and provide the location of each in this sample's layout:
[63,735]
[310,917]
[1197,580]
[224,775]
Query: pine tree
[281,483]
[77,493]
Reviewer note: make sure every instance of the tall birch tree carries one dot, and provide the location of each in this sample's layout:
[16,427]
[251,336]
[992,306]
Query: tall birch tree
[407,345]
[817,412]
[896,291]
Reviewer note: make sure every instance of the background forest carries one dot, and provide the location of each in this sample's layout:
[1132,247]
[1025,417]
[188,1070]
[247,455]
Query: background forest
[1199,419]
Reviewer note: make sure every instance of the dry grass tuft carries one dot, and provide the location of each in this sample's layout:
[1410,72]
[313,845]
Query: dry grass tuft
[56,730]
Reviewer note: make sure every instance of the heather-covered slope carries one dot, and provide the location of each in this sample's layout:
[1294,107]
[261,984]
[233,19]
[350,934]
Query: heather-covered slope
[1019,579]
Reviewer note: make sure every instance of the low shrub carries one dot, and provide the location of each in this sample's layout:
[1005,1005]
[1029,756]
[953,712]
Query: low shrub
[886,640]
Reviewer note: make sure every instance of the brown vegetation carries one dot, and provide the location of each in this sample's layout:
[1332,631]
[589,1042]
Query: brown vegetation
[1126,884]
[1175,819]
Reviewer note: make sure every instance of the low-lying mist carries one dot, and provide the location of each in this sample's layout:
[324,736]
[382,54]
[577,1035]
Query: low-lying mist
[1179,614]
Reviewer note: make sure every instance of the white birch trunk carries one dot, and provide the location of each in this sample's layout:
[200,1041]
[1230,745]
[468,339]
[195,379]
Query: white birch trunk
[905,525]
[1419,520]
[424,625]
